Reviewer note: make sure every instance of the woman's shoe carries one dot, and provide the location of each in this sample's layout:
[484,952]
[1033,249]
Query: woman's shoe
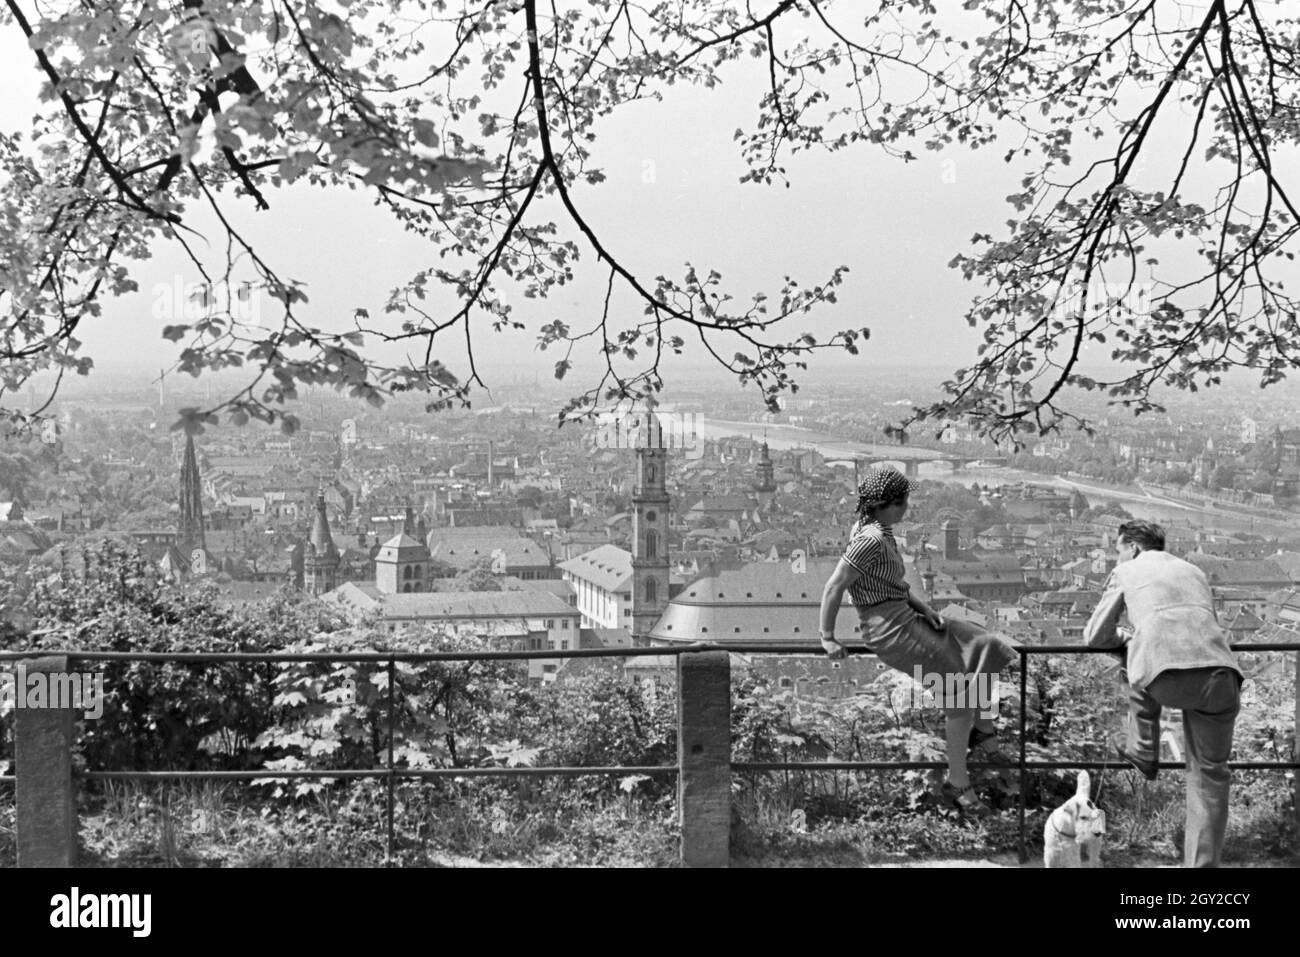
[965,799]
[984,746]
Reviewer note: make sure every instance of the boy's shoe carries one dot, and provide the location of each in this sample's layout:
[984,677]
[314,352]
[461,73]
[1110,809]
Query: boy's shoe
[1148,768]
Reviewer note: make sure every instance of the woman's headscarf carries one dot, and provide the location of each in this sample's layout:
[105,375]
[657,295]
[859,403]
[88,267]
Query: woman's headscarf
[883,484]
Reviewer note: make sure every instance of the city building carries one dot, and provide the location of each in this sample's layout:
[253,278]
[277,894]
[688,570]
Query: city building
[524,620]
[754,601]
[320,556]
[602,580]
[650,560]
[507,551]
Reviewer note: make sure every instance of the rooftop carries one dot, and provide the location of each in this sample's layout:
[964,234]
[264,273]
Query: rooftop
[608,567]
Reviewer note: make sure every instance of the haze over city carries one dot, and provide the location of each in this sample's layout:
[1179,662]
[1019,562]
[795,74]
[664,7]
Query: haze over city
[614,435]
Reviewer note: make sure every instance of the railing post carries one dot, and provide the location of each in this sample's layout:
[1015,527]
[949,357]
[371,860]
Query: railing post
[45,801]
[1295,746]
[1022,784]
[704,757]
[392,680]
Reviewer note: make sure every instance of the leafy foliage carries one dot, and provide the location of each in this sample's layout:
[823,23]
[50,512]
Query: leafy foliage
[469,126]
[1167,251]
[473,126]
[478,577]
[617,722]
[485,714]
[170,715]
[443,714]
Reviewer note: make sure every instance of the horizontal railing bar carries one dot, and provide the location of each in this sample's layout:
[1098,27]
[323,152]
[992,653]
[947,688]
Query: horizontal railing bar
[1163,766]
[843,765]
[1085,650]
[374,773]
[368,656]
[406,656]
[737,766]
[775,648]
[1265,646]
[1029,765]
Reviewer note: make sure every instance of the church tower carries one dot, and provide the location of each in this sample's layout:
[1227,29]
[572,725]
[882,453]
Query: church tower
[765,477]
[321,556]
[189,525]
[766,481]
[402,565]
[649,529]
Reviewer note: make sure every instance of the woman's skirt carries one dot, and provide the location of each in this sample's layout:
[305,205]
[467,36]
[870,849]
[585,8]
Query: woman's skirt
[958,665]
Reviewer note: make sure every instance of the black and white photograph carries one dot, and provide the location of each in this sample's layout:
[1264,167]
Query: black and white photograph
[593,435]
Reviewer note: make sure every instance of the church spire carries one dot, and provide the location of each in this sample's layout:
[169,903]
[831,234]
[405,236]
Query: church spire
[321,557]
[189,525]
[322,542]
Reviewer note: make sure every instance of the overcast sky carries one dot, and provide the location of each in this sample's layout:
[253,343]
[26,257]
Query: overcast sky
[672,195]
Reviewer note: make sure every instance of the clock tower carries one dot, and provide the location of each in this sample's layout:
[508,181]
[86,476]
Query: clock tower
[649,528]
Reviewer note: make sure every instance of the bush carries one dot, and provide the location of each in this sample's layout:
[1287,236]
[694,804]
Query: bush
[8,827]
[485,714]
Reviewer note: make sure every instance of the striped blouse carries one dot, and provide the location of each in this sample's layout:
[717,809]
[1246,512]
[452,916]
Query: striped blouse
[873,552]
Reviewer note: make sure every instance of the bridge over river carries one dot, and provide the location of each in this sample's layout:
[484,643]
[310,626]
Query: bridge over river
[833,447]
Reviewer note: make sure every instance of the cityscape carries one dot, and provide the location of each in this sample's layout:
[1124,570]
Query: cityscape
[449,435]
[496,525]
[364,509]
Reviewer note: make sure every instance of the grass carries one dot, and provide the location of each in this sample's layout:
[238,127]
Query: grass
[482,823]
[219,825]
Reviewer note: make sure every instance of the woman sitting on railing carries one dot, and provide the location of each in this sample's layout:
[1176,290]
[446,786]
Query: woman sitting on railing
[907,634]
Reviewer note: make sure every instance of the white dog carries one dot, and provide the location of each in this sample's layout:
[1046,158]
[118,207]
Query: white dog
[1073,833]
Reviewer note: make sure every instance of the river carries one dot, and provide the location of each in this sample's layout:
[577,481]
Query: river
[1136,501]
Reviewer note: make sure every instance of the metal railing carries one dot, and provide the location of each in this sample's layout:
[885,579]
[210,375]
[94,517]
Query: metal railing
[391,773]
[1025,765]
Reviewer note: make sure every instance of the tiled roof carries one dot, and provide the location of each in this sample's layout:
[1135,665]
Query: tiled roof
[1289,562]
[463,547]
[1244,620]
[607,567]
[476,604]
[604,638]
[1241,571]
[723,503]
[401,547]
